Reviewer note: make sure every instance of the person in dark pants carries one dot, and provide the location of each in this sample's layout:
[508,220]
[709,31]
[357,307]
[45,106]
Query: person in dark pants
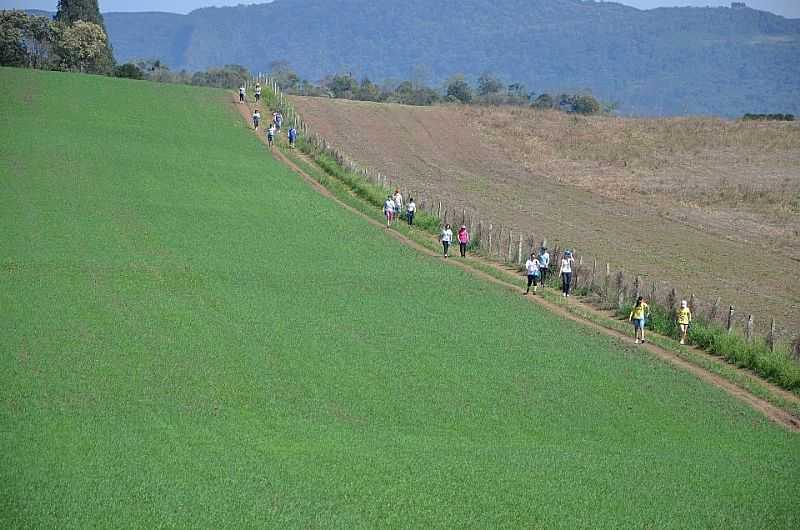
[411,209]
[544,264]
[447,239]
[566,272]
[463,240]
[532,268]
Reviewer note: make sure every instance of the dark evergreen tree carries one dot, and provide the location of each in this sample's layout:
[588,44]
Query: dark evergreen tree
[71,11]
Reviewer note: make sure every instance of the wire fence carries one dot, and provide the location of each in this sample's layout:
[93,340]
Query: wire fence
[606,287]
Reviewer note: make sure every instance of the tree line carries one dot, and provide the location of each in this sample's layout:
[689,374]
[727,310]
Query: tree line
[488,90]
[75,40]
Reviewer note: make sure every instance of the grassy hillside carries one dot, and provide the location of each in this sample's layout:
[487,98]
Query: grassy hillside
[190,336]
[676,200]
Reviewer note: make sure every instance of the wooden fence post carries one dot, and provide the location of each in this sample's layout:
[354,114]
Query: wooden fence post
[489,242]
[731,311]
[692,303]
[510,236]
[771,336]
[592,284]
[714,313]
[637,287]
[439,211]
[748,332]
[607,283]
[519,250]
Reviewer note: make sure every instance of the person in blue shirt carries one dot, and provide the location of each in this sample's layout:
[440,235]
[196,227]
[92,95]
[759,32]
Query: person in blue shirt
[292,137]
[544,264]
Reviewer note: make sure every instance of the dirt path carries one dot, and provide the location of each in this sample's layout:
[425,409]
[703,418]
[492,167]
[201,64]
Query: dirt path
[765,407]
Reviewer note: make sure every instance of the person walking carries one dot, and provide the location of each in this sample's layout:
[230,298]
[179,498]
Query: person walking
[388,210]
[544,264]
[278,120]
[258,92]
[271,135]
[566,272]
[256,119]
[638,316]
[411,209]
[447,239]
[292,137]
[684,319]
[398,203]
[533,269]
[242,91]
[463,240]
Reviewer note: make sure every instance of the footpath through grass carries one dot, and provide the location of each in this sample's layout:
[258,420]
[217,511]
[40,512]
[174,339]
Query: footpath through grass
[191,336]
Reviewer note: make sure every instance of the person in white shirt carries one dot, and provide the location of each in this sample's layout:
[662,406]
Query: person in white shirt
[258,92]
[566,272]
[532,267]
[388,210]
[241,94]
[398,203]
[411,208]
[256,119]
[447,238]
[271,135]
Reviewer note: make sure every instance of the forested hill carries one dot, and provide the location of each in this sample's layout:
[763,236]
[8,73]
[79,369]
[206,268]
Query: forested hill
[661,61]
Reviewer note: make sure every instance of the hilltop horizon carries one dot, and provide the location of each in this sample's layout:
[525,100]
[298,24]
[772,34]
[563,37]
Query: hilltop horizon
[783,8]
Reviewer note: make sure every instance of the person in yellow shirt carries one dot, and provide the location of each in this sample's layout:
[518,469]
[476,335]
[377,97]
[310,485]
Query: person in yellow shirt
[638,316]
[684,319]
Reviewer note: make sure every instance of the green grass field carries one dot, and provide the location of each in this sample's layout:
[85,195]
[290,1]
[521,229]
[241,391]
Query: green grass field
[192,337]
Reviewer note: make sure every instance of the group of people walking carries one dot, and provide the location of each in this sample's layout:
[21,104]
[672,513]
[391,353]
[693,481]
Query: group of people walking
[641,312]
[277,119]
[393,208]
[538,269]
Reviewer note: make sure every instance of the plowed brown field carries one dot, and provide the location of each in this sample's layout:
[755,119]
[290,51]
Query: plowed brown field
[709,206]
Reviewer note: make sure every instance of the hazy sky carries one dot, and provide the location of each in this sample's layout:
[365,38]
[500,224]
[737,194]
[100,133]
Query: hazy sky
[787,8]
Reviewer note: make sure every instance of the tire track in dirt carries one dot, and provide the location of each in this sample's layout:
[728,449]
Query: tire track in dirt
[763,406]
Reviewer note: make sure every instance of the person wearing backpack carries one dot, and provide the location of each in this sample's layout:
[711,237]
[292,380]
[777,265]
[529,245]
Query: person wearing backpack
[532,268]
[292,137]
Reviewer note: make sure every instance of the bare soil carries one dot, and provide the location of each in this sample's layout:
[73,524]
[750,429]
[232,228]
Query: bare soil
[763,406]
[708,206]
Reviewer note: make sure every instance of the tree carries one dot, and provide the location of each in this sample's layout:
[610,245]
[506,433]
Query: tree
[283,74]
[368,91]
[544,101]
[585,104]
[343,86]
[458,90]
[83,46]
[128,70]
[13,51]
[71,11]
[489,84]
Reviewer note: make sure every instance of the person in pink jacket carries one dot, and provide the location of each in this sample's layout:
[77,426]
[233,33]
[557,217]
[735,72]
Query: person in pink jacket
[463,240]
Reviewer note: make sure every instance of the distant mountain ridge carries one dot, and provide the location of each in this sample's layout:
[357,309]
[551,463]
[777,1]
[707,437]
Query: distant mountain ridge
[662,61]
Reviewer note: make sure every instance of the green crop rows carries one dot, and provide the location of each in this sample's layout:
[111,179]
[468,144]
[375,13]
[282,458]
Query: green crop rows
[192,337]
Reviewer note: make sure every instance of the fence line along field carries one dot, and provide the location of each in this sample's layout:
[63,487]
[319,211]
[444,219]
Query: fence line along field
[709,206]
[193,337]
